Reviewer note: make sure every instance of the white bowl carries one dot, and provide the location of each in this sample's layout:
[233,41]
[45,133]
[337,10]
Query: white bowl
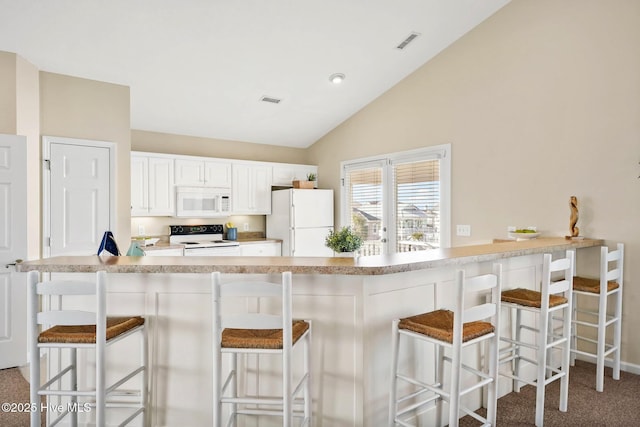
[527,236]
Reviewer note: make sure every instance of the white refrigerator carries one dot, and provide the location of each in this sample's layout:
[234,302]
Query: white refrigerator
[302,219]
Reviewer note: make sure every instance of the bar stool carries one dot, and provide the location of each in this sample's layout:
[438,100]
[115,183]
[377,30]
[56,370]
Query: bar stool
[74,330]
[259,333]
[609,284]
[554,298]
[455,330]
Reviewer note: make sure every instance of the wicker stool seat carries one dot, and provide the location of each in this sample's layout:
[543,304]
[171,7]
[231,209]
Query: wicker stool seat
[530,298]
[606,319]
[261,338]
[586,284]
[439,325]
[86,334]
[415,400]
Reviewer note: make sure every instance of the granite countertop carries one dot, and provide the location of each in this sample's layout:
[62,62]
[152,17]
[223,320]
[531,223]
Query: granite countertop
[369,265]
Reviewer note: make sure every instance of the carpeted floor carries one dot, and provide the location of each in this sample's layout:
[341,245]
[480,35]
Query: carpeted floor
[14,389]
[617,406]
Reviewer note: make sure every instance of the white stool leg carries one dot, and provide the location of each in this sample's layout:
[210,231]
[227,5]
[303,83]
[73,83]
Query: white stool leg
[74,384]
[602,334]
[144,392]
[395,341]
[492,392]
[541,369]
[566,356]
[34,385]
[617,334]
[307,370]
[516,351]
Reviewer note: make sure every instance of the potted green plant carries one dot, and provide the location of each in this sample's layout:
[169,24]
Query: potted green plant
[344,242]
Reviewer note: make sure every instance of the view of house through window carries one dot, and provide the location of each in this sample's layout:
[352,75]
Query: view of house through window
[399,202]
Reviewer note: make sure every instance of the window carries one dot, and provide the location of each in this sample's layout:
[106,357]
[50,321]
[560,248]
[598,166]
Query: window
[399,202]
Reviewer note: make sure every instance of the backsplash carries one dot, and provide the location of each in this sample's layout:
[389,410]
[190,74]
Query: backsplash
[159,226]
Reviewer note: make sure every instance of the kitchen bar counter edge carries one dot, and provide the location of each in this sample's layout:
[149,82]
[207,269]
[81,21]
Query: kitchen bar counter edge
[370,265]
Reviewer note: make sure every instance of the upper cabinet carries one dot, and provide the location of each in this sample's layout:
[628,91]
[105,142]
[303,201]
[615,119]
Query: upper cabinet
[155,176]
[196,172]
[251,189]
[152,185]
[284,174]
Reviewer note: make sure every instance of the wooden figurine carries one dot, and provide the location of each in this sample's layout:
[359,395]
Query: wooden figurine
[573,203]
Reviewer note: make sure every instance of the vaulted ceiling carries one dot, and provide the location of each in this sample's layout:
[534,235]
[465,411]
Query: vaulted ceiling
[201,67]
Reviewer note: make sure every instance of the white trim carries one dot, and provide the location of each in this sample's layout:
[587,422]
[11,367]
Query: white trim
[631,368]
[46,183]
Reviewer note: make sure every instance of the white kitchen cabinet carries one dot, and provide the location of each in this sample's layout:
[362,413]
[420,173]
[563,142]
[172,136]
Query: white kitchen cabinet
[198,172]
[152,192]
[164,252]
[284,174]
[261,249]
[251,189]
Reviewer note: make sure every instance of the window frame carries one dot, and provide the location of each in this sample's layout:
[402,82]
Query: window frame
[387,162]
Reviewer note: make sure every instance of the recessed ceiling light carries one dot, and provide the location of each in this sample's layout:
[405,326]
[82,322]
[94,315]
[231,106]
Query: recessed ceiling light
[336,78]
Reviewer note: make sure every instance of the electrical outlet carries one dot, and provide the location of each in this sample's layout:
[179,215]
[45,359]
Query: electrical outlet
[463,230]
[246,226]
[141,230]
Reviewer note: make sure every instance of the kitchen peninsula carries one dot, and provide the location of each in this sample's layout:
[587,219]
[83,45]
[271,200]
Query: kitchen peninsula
[351,302]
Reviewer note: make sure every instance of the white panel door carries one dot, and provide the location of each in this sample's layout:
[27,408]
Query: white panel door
[13,246]
[79,198]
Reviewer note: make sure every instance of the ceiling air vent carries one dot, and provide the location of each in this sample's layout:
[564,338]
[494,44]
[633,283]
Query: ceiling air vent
[408,40]
[270,99]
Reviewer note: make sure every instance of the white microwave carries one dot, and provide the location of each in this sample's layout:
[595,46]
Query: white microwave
[202,202]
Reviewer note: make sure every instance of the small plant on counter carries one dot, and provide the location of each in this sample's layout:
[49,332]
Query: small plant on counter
[311,176]
[343,240]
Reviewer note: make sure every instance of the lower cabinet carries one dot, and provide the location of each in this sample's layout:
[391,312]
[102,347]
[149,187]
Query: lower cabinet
[261,249]
[164,252]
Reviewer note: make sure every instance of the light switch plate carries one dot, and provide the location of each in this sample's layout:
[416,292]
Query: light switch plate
[463,230]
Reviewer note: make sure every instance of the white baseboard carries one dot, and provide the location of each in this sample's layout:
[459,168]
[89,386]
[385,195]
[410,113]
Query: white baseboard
[632,368]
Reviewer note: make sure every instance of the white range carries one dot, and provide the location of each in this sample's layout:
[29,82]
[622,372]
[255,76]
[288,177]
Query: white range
[203,240]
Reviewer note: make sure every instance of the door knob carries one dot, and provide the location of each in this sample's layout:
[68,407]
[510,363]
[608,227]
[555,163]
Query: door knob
[13,264]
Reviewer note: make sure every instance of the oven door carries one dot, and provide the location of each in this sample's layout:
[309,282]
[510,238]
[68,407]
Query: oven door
[213,251]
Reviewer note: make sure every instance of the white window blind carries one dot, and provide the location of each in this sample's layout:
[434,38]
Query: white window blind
[416,188]
[364,198]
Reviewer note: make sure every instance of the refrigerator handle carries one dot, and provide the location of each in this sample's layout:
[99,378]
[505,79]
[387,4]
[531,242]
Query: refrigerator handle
[293,215]
[292,241]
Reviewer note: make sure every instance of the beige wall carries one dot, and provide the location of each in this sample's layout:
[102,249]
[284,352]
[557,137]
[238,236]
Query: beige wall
[8,93]
[19,115]
[79,108]
[207,147]
[540,102]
